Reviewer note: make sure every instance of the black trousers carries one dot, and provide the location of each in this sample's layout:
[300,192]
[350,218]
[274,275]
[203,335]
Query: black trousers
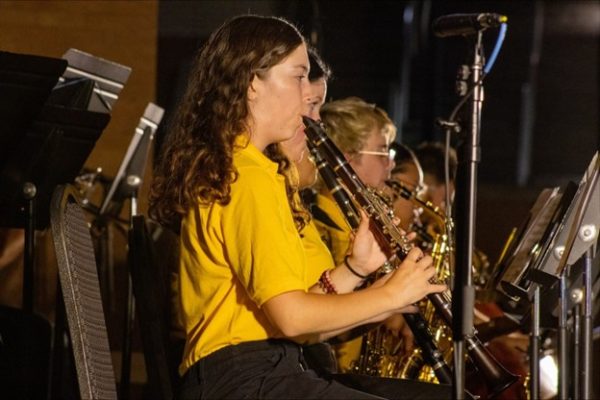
[276,369]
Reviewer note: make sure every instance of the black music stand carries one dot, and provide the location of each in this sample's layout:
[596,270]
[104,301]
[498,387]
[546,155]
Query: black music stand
[125,186]
[52,151]
[521,296]
[44,148]
[131,171]
[25,84]
[553,285]
[532,241]
[576,239]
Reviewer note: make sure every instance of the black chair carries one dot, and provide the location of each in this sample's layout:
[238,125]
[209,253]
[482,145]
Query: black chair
[150,288]
[81,294]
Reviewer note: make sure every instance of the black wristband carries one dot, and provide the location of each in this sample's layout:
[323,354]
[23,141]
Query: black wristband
[347,264]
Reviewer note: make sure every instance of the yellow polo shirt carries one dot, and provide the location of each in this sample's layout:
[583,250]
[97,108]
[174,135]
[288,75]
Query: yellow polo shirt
[337,239]
[318,256]
[236,257]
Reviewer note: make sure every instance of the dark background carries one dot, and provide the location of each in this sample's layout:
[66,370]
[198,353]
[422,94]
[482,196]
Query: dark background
[540,121]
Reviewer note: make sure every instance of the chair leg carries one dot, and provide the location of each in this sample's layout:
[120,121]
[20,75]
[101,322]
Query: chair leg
[63,375]
[124,389]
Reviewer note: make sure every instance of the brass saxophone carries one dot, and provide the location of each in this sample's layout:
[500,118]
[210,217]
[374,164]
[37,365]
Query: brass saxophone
[434,240]
[497,378]
[391,238]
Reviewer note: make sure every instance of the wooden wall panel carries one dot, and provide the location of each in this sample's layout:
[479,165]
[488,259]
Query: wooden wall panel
[121,31]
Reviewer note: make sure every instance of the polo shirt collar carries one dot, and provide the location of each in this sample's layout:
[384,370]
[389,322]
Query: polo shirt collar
[244,146]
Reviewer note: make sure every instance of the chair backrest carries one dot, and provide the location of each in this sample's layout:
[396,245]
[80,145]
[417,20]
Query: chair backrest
[150,288]
[81,294]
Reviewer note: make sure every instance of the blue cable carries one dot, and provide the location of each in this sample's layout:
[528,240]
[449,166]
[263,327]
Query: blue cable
[497,46]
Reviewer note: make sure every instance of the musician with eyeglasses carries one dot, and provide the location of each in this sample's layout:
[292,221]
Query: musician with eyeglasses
[363,132]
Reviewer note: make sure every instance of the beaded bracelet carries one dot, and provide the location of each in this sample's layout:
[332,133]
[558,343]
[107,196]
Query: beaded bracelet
[325,283]
[347,264]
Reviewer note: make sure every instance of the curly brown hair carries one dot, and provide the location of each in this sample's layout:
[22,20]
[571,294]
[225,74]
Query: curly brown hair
[196,164]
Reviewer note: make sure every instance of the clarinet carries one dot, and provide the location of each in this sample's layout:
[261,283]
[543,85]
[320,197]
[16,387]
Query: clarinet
[418,325]
[391,239]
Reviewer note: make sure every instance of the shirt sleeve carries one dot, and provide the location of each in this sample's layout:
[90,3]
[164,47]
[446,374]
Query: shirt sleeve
[262,243]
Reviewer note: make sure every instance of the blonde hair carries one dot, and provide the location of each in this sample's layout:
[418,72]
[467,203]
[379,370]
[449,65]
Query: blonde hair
[350,121]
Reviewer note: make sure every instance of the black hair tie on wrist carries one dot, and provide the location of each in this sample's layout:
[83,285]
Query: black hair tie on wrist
[347,264]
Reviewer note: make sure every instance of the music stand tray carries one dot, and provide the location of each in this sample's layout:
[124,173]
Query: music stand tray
[41,145]
[537,257]
[25,84]
[51,152]
[131,171]
[109,77]
[538,230]
[585,207]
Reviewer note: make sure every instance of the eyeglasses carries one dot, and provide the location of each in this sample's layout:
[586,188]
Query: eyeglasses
[387,154]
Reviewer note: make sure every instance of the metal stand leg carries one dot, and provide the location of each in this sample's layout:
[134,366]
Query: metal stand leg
[576,350]
[587,328]
[534,348]
[105,258]
[58,352]
[563,358]
[129,319]
[126,355]
[29,193]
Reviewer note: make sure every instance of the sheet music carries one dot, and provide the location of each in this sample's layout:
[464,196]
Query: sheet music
[542,212]
[590,220]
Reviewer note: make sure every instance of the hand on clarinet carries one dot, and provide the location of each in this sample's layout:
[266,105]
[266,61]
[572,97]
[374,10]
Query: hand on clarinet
[365,255]
[410,282]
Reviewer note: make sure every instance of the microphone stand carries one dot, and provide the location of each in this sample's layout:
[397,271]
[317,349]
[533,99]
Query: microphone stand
[463,294]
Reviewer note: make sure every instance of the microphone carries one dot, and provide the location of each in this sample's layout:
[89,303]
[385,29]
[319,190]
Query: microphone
[466,24]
